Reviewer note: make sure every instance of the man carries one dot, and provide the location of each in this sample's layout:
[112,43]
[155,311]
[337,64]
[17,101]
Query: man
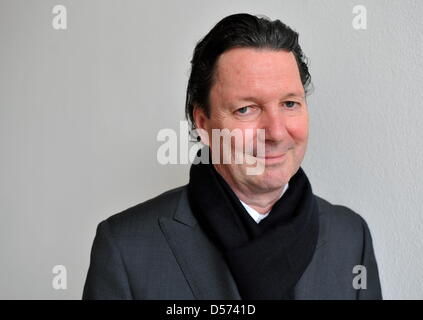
[229,234]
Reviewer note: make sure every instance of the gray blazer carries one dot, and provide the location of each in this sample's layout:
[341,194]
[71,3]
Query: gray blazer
[157,250]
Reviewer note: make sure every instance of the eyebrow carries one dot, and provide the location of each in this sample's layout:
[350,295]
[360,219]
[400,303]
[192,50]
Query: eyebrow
[285,96]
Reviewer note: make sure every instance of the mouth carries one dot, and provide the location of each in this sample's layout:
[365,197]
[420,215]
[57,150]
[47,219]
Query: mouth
[273,158]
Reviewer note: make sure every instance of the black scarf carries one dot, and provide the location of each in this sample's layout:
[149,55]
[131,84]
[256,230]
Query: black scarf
[266,259]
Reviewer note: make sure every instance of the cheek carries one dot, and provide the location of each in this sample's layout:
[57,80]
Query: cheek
[298,129]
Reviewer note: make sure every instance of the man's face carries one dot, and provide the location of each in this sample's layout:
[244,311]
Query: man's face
[259,89]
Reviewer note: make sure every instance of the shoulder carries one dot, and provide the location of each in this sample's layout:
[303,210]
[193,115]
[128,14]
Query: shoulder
[340,221]
[143,217]
[345,243]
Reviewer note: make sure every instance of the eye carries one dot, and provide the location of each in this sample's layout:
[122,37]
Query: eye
[290,104]
[243,110]
[247,113]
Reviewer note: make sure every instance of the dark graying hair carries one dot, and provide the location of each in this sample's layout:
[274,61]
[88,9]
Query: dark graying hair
[237,31]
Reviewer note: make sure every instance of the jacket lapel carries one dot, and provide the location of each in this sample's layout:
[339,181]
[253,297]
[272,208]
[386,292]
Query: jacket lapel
[202,264]
[316,275]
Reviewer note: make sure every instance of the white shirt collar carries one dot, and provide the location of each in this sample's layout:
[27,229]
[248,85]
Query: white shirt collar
[256,215]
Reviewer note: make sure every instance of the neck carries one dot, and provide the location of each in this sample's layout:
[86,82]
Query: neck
[260,200]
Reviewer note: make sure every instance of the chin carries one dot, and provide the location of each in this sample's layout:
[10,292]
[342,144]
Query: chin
[277,177]
[270,180]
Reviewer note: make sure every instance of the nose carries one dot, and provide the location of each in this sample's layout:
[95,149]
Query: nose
[273,122]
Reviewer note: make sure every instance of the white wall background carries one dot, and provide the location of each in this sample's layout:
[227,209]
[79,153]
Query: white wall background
[80,110]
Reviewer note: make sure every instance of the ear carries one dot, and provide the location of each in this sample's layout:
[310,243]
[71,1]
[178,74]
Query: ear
[199,117]
[201,123]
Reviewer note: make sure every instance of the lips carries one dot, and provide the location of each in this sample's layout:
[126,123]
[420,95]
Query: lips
[275,156]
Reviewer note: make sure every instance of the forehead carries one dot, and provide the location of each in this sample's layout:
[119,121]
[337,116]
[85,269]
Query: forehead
[261,72]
